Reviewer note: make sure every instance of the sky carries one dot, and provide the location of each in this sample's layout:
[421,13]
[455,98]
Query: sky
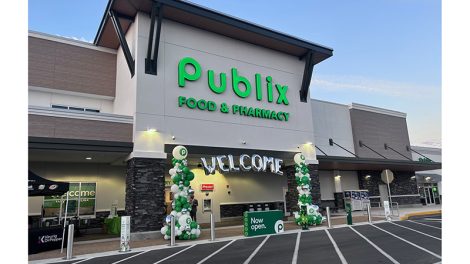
[386,53]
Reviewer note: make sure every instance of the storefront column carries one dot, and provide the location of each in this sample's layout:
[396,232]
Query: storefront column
[145,193]
[292,195]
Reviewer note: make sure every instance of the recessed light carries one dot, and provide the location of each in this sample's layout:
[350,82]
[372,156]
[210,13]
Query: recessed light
[88,158]
[151,130]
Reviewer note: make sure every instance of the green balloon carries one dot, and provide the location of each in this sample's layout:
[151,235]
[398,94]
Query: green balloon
[318,220]
[168,232]
[193,225]
[304,180]
[178,209]
[190,176]
[185,170]
[193,236]
[178,204]
[187,206]
[186,183]
[185,236]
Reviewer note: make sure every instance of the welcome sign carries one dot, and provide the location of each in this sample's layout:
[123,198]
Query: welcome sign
[262,87]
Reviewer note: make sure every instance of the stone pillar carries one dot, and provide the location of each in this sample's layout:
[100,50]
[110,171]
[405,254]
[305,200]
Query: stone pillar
[292,196]
[145,193]
[315,184]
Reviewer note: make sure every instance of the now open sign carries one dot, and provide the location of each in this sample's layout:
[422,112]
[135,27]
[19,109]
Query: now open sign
[262,223]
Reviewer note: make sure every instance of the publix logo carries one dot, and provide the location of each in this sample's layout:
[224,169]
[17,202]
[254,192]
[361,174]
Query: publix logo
[263,88]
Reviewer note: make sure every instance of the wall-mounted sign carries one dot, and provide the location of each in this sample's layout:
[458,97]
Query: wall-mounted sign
[241,86]
[246,163]
[85,191]
[207,187]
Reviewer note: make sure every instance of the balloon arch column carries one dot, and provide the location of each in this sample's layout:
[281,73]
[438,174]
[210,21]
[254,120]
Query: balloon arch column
[308,214]
[181,177]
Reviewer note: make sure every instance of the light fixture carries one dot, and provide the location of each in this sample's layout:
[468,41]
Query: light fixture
[338,176]
[367,177]
[309,143]
[413,177]
[428,178]
[244,142]
[173,137]
[88,158]
[151,130]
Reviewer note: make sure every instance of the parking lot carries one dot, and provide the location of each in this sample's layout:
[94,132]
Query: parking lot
[417,240]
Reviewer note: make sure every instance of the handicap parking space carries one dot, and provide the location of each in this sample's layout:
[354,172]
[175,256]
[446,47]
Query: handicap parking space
[398,249]
[355,249]
[402,242]
[277,249]
[431,244]
[422,228]
[316,246]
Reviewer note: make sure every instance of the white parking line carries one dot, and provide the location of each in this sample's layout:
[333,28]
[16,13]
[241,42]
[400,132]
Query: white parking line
[181,251]
[217,251]
[296,250]
[411,243]
[424,224]
[376,247]
[256,251]
[422,233]
[82,260]
[130,257]
[340,255]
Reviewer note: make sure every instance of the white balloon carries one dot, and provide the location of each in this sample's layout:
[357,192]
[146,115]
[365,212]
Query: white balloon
[181,228]
[179,232]
[173,213]
[163,230]
[184,220]
[177,164]
[166,237]
[172,171]
[174,188]
[176,196]
[198,232]
[193,231]
[178,215]
[180,152]
[299,158]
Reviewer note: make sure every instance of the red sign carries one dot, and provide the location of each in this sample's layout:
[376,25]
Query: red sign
[207,187]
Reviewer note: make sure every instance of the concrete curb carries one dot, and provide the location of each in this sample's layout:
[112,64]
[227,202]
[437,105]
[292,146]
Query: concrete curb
[406,216]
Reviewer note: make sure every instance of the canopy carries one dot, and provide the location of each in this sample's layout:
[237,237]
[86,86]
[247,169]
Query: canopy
[38,186]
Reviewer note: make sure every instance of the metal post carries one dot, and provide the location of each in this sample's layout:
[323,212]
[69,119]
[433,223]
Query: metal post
[212,227]
[172,230]
[368,213]
[388,185]
[65,222]
[70,242]
[328,216]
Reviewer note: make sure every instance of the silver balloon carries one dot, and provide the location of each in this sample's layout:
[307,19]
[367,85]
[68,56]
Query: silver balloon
[208,169]
[257,166]
[268,161]
[221,164]
[231,164]
[277,166]
[243,167]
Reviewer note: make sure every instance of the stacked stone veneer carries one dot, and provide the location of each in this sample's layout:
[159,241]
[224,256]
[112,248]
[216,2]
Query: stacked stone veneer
[292,193]
[145,193]
[402,184]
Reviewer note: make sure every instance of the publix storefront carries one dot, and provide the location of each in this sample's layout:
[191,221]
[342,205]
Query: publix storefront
[233,93]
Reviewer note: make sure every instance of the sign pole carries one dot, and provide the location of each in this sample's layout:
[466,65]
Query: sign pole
[125,234]
[388,184]
[65,222]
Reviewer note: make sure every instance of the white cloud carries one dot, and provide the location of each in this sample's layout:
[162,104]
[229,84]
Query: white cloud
[375,86]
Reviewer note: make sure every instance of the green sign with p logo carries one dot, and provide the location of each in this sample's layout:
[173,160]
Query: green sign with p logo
[263,223]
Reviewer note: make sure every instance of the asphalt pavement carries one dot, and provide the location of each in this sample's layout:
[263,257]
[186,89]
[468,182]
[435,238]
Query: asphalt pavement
[416,241]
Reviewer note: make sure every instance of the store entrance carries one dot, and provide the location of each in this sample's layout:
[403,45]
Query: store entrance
[429,196]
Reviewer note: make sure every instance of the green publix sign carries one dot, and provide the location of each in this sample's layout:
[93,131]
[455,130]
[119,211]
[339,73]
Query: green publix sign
[262,222]
[241,86]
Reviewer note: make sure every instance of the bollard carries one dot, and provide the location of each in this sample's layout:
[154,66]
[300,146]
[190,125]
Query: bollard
[70,242]
[212,227]
[172,230]
[368,214]
[328,218]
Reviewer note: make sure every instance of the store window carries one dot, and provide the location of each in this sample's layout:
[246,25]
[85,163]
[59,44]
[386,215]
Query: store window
[81,202]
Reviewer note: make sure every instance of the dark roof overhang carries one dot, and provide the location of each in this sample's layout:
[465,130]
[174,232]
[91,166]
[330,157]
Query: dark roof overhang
[201,17]
[352,163]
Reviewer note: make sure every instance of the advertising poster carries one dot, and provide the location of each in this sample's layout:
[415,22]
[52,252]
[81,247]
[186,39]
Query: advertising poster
[85,191]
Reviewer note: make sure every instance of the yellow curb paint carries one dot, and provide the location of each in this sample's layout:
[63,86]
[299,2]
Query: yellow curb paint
[405,217]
